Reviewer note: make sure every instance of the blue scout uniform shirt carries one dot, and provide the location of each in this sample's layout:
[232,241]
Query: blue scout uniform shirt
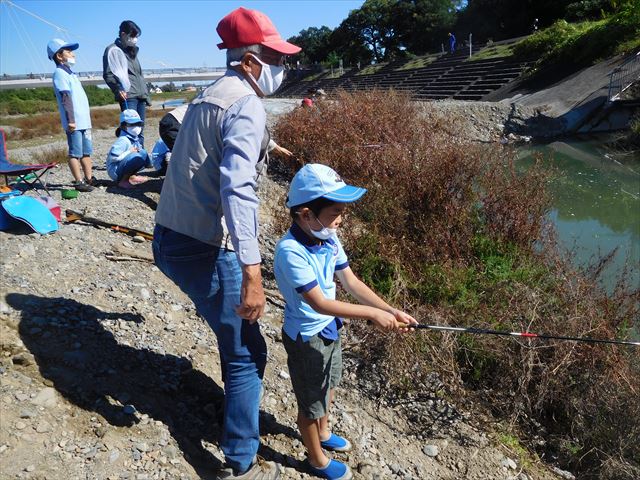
[299,265]
[64,80]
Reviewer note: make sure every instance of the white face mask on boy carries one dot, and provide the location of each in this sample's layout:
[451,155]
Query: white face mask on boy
[70,61]
[323,234]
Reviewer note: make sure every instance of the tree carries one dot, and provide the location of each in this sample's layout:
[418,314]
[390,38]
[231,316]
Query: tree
[422,25]
[314,43]
[373,26]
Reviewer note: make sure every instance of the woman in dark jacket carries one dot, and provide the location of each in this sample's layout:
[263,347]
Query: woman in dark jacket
[122,72]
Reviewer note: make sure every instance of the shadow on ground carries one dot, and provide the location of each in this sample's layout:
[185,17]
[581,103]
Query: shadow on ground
[91,369]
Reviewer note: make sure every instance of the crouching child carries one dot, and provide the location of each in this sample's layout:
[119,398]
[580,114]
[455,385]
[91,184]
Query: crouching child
[306,260]
[127,156]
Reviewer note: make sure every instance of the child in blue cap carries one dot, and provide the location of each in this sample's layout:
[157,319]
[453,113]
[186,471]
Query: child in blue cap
[127,156]
[306,260]
[74,112]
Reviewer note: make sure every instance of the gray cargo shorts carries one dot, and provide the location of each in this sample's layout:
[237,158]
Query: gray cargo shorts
[315,367]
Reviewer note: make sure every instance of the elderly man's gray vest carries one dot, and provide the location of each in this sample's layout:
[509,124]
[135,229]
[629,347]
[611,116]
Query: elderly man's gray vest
[190,200]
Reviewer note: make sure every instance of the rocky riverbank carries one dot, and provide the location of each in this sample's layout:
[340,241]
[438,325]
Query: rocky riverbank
[107,372]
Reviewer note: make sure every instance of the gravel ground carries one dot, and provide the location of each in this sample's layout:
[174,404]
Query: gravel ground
[107,372]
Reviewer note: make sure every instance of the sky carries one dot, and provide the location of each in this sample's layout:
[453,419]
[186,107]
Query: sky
[176,33]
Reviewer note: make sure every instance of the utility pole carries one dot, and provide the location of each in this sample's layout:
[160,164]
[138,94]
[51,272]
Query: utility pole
[470,45]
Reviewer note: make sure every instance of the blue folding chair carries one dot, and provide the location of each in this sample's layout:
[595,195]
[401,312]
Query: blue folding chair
[21,172]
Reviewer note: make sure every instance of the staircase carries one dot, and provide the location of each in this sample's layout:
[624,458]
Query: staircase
[450,76]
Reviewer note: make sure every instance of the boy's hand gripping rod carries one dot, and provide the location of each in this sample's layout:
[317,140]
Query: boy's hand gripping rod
[484,331]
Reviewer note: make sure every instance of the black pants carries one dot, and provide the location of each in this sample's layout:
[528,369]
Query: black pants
[169,128]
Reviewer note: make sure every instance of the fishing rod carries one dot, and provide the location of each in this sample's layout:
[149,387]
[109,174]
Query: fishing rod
[484,331]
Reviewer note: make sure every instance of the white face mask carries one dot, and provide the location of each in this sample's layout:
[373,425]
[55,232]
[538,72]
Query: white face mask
[135,131]
[130,41]
[325,233]
[270,77]
[70,61]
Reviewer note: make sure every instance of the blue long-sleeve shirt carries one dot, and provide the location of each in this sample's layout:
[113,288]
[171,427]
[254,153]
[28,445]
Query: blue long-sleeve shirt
[212,172]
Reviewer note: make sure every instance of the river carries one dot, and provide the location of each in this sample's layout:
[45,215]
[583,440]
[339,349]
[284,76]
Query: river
[596,204]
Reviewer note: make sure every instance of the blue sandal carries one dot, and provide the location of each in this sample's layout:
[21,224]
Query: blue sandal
[333,470]
[336,443]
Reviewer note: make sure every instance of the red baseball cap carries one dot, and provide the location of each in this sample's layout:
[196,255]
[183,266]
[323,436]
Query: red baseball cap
[244,27]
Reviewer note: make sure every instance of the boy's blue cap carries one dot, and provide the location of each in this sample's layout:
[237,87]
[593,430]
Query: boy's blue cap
[56,44]
[315,180]
[130,116]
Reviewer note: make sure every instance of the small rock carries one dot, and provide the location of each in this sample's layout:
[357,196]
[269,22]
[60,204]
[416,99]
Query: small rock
[21,397]
[114,455]
[47,397]
[563,473]
[129,409]
[138,239]
[21,425]
[144,293]
[430,450]
[508,463]
[284,375]
[24,359]
[30,468]
[43,427]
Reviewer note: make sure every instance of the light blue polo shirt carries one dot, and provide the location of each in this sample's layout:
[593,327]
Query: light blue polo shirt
[299,265]
[64,80]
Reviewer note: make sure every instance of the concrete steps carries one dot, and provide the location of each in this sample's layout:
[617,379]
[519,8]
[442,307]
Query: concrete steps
[450,76]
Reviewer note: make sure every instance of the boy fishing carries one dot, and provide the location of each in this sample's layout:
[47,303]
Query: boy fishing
[306,260]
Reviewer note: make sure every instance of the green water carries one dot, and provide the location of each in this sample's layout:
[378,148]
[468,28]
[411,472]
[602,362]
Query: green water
[596,205]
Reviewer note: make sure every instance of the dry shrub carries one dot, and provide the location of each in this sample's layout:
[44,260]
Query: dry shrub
[454,233]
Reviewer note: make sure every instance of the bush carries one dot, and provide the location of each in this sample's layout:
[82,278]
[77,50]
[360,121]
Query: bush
[451,232]
[577,45]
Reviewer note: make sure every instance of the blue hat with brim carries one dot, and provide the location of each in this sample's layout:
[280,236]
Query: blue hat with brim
[315,180]
[131,117]
[55,45]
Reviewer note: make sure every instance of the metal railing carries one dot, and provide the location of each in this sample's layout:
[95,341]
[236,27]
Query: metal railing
[623,76]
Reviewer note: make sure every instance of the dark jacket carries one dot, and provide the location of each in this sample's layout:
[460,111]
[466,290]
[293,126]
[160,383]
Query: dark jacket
[138,85]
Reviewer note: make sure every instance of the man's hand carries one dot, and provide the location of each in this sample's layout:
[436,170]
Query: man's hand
[123,95]
[252,296]
[72,127]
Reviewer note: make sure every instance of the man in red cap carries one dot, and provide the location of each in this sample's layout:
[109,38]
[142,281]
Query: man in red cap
[206,237]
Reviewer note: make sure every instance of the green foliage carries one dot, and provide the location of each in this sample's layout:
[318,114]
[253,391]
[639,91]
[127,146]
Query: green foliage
[418,62]
[315,44]
[370,69]
[42,99]
[581,44]
[495,51]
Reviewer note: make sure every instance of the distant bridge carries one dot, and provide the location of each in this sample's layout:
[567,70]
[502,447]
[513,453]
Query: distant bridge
[181,75]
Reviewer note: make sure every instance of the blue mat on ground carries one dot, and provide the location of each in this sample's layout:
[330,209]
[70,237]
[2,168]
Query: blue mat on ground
[32,212]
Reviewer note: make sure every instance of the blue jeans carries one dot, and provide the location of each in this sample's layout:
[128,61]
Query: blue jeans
[140,106]
[130,165]
[211,277]
[79,142]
